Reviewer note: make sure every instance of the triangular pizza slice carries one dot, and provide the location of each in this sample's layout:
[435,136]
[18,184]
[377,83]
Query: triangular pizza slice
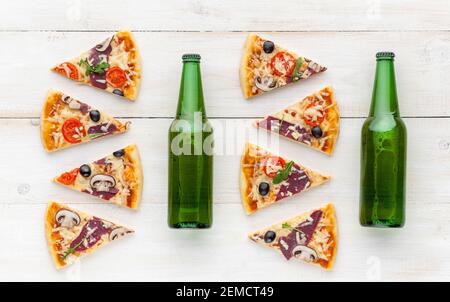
[312,121]
[72,234]
[266,65]
[116,178]
[310,237]
[66,121]
[112,65]
[267,178]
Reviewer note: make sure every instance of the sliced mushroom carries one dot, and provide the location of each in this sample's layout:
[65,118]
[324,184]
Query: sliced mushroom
[66,99]
[118,233]
[265,83]
[102,182]
[104,45]
[67,218]
[73,104]
[304,253]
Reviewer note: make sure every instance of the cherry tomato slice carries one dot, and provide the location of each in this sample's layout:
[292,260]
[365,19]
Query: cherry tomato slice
[314,120]
[283,64]
[272,165]
[68,178]
[62,69]
[116,77]
[73,130]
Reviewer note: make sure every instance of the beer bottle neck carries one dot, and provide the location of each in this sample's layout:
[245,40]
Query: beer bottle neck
[190,98]
[384,96]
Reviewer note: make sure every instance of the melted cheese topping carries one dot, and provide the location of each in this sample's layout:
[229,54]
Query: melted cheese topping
[314,113]
[259,176]
[63,111]
[115,167]
[321,242]
[119,57]
[68,235]
[312,107]
[259,65]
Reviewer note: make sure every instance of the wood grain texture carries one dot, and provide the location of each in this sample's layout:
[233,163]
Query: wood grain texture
[342,35]
[422,64]
[420,251]
[230,15]
[230,135]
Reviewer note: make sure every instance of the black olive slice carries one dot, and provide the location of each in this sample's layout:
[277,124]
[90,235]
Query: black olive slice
[263,188]
[118,92]
[268,46]
[85,170]
[119,153]
[269,236]
[317,132]
[94,115]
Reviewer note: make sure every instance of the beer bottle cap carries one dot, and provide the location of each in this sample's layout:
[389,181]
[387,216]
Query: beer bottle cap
[385,55]
[191,57]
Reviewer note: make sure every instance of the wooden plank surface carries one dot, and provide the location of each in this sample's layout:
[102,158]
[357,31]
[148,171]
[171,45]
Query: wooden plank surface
[422,62]
[420,251]
[230,135]
[230,15]
[417,252]
[343,35]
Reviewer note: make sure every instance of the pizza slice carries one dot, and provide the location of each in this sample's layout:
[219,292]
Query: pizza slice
[113,65]
[310,237]
[267,178]
[66,121]
[266,66]
[72,234]
[313,121]
[116,178]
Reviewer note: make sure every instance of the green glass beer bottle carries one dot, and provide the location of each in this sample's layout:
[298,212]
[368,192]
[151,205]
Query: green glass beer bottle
[190,154]
[383,153]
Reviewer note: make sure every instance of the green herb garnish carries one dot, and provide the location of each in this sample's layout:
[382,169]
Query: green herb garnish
[96,135]
[283,174]
[286,225]
[71,250]
[297,74]
[100,68]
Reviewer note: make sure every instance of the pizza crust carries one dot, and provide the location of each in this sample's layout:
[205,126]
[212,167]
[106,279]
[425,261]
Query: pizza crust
[245,181]
[256,64]
[131,94]
[331,214]
[133,155]
[328,213]
[331,118]
[130,173]
[131,87]
[47,142]
[245,74]
[52,208]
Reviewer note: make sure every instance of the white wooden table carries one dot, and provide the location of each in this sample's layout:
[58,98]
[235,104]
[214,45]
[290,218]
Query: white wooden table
[343,35]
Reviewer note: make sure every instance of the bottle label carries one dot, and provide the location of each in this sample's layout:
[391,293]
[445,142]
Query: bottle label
[192,137]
